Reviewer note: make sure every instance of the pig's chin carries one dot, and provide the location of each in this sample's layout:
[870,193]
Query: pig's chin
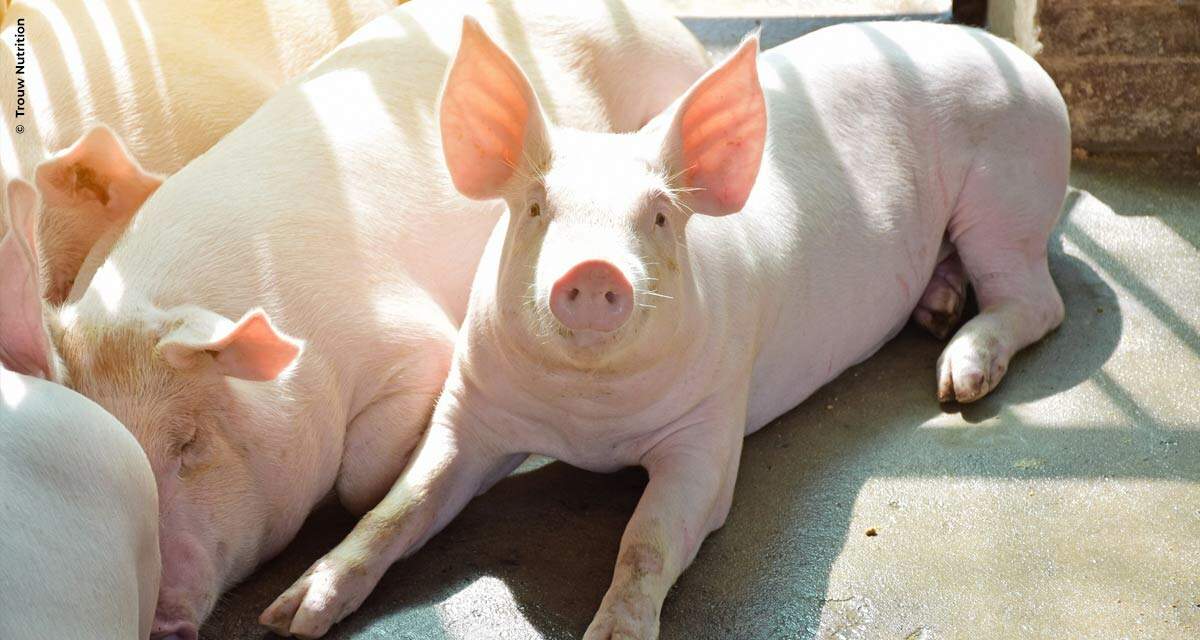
[590,342]
[588,348]
[553,341]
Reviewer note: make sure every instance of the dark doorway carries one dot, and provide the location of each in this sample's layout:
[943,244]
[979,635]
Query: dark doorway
[972,12]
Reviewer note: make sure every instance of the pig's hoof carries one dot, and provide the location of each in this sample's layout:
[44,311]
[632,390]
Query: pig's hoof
[329,591]
[969,368]
[941,307]
[627,615]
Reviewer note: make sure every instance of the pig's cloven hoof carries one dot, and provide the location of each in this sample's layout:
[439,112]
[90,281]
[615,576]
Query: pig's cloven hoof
[328,592]
[628,615]
[969,368]
[940,323]
[940,310]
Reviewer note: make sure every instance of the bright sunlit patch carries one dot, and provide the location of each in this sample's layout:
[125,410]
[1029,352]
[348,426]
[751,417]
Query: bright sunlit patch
[459,614]
[291,369]
[769,78]
[110,39]
[72,59]
[160,82]
[12,388]
[68,315]
[221,328]
[358,114]
[110,286]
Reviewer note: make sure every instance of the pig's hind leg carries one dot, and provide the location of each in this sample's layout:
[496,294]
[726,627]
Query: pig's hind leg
[941,306]
[382,437]
[1001,228]
[379,443]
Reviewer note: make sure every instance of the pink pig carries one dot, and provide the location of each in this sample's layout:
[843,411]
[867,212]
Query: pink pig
[651,298]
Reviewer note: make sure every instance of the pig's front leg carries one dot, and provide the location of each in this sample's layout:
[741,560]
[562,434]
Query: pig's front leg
[692,474]
[450,466]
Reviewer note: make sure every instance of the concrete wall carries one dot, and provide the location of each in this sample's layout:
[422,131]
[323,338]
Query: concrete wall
[1129,69]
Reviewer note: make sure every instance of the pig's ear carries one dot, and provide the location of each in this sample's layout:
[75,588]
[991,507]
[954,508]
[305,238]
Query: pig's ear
[716,139]
[24,343]
[97,172]
[250,349]
[491,120]
[90,189]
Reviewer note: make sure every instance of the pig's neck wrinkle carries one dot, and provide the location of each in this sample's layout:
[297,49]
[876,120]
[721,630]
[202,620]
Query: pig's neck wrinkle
[647,377]
[654,349]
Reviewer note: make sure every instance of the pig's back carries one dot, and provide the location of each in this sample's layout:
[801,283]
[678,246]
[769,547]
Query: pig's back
[337,179]
[873,130]
[170,77]
[332,206]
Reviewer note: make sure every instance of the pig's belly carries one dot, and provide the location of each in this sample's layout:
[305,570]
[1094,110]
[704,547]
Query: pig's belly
[811,345]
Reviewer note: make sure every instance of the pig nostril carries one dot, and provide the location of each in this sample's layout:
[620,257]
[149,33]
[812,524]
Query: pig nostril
[593,295]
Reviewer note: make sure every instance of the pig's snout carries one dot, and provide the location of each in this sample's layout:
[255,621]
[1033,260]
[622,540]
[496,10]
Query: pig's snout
[592,295]
[173,630]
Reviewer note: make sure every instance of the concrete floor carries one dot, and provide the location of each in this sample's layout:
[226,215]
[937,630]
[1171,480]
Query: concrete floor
[1064,505]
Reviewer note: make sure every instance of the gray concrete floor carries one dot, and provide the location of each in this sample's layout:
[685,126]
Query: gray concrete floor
[1064,505]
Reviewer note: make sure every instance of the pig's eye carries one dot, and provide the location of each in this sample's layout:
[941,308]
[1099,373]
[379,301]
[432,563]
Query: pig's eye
[187,447]
[660,220]
[534,210]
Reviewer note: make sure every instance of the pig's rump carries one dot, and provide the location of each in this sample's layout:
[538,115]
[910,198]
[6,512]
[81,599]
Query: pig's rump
[883,160]
[78,539]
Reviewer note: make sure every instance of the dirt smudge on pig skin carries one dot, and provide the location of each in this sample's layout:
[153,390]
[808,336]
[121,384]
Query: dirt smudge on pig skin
[643,559]
[397,527]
